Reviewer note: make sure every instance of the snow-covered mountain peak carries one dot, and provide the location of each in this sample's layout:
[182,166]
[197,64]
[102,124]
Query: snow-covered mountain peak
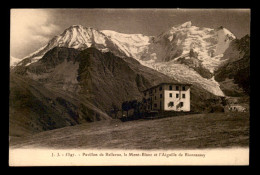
[222,31]
[185,25]
[203,46]
[179,40]
[75,36]
[79,37]
[76,26]
[14,61]
[226,32]
[179,27]
[80,28]
[225,37]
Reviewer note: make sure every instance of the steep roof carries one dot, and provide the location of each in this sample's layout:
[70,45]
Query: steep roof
[181,84]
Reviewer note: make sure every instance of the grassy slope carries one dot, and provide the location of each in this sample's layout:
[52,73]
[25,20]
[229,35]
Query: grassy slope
[191,131]
[230,88]
[34,108]
[46,95]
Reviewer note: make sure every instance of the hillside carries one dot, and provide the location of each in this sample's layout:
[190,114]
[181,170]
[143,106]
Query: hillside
[236,69]
[218,130]
[34,108]
[67,87]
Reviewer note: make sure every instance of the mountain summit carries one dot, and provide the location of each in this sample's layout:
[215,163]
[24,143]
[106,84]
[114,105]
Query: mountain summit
[200,50]
[185,25]
[179,40]
[176,42]
[76,36]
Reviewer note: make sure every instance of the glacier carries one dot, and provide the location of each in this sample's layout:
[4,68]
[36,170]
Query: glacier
[157,52]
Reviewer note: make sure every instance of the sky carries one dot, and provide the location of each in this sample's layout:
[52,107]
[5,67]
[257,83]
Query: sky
[31,29]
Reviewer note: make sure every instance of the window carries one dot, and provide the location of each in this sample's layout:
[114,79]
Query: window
[170,87]
[170,104]
[181,104]
[155,90]
[183,88]
[183,95]
[155,105]
[145,94]
[177,95]
[160,88]
[170,95]
[155,97]
[160,95]
[177,88]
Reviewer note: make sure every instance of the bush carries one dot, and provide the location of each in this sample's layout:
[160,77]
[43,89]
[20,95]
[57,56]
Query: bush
[216,108]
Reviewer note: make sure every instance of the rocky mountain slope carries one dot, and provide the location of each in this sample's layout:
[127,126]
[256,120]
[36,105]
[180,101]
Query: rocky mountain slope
[68,86]
[234,73]
[77,37]
[190,54]
[34,108]
[178,41]
[185,52]
[14,61]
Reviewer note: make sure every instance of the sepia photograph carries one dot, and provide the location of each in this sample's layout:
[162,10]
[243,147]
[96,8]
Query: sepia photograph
[129,87]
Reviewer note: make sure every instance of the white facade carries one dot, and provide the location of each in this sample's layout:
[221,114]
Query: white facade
[168,97]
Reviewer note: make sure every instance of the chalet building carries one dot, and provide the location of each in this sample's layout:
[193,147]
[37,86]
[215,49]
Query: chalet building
[168,97]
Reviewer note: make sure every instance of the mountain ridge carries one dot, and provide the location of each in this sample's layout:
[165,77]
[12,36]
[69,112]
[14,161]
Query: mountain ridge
[67,87]
[86,36]
[234,74]
[157,52]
